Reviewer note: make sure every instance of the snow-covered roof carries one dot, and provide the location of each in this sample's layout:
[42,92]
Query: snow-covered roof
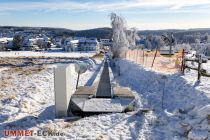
[73,42]
[32,39]
[5,39]
[105,40]
[39,38]
[91,40]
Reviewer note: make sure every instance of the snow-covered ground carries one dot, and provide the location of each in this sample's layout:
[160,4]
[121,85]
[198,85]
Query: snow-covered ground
[186,103]
[46,54]
[27,102]
[27,92]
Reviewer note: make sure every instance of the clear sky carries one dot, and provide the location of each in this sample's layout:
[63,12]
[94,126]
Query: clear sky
[85,14]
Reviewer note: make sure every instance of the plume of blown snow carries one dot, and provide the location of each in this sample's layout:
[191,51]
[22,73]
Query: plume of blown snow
[120,42]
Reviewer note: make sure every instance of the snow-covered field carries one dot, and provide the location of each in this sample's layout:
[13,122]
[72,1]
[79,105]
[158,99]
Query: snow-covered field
[186,103]
[46,54]
[27,91]
[27,102]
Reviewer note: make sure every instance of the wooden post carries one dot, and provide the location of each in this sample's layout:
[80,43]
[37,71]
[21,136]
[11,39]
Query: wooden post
[170,50]
[154,57]
[137,56]
[128,54]
[183,67]
[164,84]
[183,62]
[199,67]
[146,58]
[143,57]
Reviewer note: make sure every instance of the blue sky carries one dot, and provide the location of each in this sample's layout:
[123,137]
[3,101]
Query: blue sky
[85,14]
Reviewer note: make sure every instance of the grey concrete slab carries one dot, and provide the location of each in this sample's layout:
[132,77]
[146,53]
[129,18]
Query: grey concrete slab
[104,87]
[123,92]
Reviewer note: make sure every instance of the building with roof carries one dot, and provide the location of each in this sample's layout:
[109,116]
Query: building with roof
[82,44]
[6,43]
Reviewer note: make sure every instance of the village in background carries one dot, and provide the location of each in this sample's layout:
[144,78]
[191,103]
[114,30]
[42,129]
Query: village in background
[55,39]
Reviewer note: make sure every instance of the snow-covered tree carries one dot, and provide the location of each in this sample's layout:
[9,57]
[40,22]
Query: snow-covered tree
[120,42]
[202,48]
[179,47]
[207,38]
[157,42]
[132,36]
[197,41]
[148,42]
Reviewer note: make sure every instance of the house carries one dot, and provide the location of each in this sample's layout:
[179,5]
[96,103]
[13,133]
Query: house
[81,44]
[6,43]
[58,42]
[3,44]
[89,44]
[70,45]
[42,42]
[140,42]
[10,43]
[106,42]
[28,44]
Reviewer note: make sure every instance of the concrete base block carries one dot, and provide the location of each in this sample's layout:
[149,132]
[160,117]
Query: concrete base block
[63,81]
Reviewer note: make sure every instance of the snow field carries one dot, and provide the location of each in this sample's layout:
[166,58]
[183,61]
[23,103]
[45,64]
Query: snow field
[27,102]
[46,54]
[184,98]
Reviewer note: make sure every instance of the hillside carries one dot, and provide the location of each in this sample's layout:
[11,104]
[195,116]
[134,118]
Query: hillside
[104,32]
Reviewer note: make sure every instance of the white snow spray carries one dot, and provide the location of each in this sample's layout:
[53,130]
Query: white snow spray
[120,42]
[122,38]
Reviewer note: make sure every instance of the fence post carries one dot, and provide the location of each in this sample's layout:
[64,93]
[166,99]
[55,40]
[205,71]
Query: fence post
[128,54]
[183,62]
[137,56]
[199,67]
[146,58]
[143,58]
[164,84]
[154,57]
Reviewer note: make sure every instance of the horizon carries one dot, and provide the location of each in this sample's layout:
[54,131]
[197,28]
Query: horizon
[101,28]
[90,14]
